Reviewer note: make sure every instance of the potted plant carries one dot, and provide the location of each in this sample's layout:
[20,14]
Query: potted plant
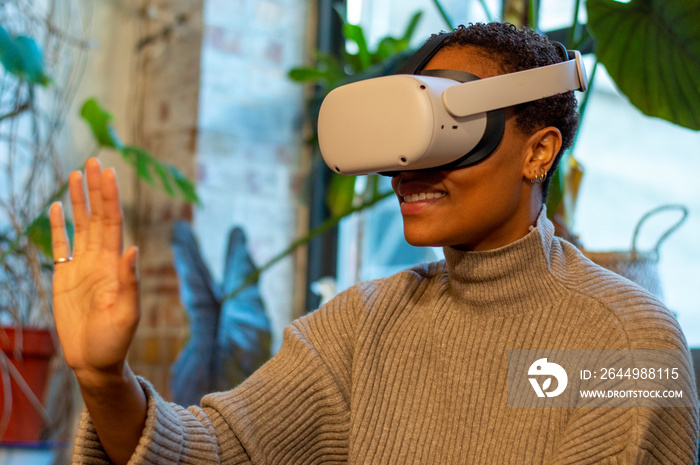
[35,94]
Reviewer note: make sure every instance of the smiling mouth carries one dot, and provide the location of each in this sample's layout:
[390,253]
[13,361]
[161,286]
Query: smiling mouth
[423,196]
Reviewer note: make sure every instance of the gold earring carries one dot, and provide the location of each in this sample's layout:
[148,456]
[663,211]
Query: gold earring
[539,179]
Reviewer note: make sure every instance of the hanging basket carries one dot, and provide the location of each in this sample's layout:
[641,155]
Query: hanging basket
[638,266]
[24,371]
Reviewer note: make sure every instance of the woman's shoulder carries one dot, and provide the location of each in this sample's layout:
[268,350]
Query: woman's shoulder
[577,272]
[635,310]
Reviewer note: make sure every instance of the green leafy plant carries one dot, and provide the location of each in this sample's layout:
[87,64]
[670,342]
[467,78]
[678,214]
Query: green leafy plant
[147,167]
[30,156]
[35,94]
[651,49]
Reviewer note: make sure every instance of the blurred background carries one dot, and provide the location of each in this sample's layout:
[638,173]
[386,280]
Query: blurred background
[207,110]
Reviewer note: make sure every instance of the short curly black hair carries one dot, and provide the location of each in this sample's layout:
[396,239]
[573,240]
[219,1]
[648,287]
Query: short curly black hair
[518,50]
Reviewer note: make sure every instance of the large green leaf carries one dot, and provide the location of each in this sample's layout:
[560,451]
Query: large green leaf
[356,34]
[411,27]
[388,47]
[340,194]
[171,179]
[331,67]
[306,74]
[651,48]
[100,122]
[391,46]
[328,71]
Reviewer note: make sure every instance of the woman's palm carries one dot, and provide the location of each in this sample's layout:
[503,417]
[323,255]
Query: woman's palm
[96,294]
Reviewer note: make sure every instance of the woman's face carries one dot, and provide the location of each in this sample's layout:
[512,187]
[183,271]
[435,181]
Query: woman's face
[480,207]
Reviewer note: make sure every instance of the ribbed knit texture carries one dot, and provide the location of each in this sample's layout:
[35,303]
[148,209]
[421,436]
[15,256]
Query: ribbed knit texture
[413,369]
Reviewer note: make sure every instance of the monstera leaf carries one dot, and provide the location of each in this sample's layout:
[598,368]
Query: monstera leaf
[244,334]
[191,376]
[651,49]
[229,337]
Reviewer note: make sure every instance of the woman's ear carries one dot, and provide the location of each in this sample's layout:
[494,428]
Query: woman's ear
[541,150]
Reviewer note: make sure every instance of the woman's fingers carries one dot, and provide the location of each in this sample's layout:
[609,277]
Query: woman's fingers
[129,285]
[98,218]
[93,172]
[81,211]
[59,236]
[112,211]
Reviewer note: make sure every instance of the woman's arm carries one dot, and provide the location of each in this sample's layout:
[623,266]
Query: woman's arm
[293,410]
[117,407]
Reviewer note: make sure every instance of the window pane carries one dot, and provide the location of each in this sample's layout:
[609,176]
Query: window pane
[634,163]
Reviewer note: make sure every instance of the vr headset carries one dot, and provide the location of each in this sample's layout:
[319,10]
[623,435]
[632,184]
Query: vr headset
[430,120]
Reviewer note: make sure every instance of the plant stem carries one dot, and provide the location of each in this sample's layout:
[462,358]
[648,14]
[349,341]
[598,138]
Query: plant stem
[444,15]
[318,230]
[574,30]
[584,102]
[533,17]
[17,111]
[14,246]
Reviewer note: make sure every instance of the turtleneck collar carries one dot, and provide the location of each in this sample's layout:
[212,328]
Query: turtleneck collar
[513,278]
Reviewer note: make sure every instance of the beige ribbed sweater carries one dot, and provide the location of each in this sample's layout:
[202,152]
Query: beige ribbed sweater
[412,369]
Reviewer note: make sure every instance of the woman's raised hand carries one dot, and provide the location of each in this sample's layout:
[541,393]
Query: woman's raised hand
[95,295]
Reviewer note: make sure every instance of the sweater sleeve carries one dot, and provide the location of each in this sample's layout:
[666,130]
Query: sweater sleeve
[294,409]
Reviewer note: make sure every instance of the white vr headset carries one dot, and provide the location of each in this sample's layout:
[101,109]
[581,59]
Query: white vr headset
[439,119]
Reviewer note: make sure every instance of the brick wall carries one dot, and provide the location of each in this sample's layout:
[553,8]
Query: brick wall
[250,142]
[168,55]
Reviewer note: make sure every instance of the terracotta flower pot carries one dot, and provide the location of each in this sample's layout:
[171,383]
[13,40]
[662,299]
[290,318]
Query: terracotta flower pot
[31,358]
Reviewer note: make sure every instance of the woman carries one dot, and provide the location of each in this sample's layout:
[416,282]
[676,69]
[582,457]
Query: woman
[409,369]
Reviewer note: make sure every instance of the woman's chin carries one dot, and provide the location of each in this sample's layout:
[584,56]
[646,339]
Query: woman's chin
[421,239]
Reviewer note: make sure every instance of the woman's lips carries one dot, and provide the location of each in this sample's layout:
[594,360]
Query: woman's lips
[410,198]
[416,203]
